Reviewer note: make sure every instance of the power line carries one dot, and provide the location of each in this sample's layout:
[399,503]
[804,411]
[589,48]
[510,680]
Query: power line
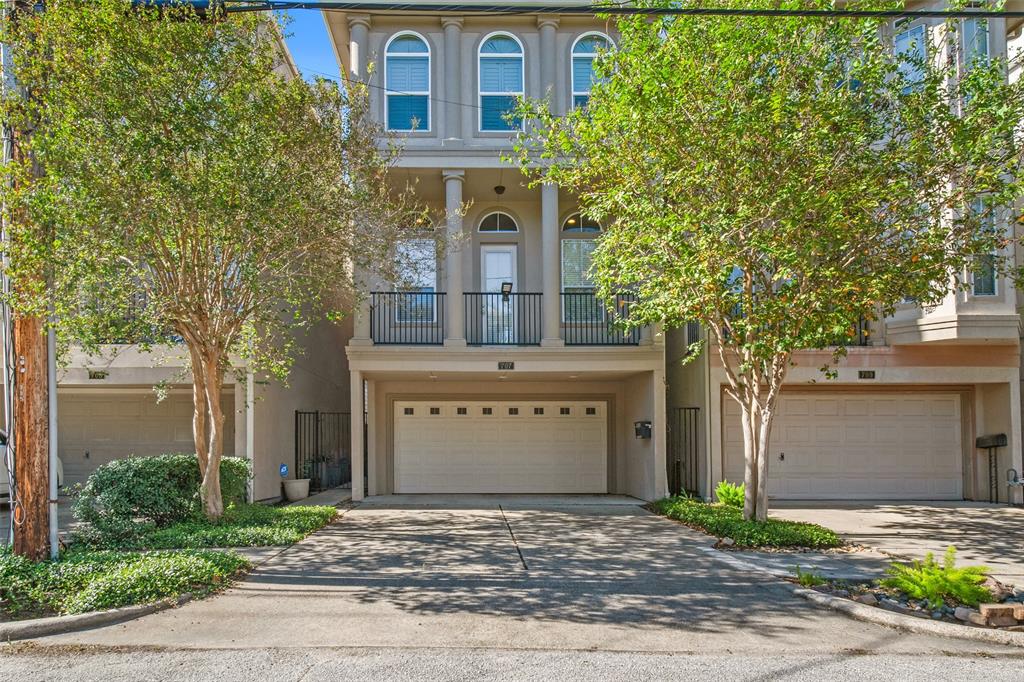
[616,9]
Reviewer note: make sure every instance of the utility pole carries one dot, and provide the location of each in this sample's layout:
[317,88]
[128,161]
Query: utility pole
[28,392]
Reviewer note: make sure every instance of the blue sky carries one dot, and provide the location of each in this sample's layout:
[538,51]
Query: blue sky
[308,42]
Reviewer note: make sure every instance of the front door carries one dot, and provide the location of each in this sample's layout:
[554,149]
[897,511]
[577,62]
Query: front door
[498,267]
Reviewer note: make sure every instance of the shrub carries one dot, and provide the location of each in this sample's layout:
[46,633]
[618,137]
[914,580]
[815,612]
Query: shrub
[125,496]
[724,521]
[730,494]
[936,583]
[87,581]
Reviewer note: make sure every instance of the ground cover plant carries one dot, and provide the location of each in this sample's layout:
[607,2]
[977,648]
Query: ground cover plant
[938,583]
[725,521]
[84,580]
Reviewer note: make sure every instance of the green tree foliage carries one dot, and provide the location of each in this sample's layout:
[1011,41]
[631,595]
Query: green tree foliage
[192,188]
[779,178]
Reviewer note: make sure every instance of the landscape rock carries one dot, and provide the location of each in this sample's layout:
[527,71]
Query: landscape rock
[937,615]
[1001,621]
[868,598]
[727,542]
[1018,611]
[963,613]
[842,593]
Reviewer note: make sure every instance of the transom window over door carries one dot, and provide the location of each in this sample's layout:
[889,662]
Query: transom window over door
[498,221]
[407,79]
[500,82]
[584,52]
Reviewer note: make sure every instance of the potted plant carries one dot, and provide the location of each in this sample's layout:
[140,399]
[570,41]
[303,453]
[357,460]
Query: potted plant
[296,489]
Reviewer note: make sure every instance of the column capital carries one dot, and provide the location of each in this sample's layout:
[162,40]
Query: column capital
[451,21]
[359,20]
[459,175]
[551,20]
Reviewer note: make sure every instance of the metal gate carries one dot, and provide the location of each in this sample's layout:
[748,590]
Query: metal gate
[683,450]
[323,448]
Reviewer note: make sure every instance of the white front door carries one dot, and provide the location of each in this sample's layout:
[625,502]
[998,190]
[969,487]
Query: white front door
[498,266]
[508,446]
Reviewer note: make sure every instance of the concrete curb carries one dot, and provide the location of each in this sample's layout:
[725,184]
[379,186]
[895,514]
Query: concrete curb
[56,625]
[876,615]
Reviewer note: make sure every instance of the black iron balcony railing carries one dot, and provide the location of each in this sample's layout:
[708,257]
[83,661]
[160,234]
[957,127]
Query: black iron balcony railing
[858,335]
[412,318]
[590,321]
[495,319]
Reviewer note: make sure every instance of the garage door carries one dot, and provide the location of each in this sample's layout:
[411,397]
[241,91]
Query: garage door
[501,447]
[97,428]
[858,446]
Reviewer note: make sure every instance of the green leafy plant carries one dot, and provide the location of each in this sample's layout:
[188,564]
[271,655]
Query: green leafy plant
[730,493]
[82,581]
[809,578]
[938,583]
[124,497]
[724,521]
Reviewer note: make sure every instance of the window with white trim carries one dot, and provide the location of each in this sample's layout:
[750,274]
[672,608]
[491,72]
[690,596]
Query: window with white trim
[584,51]
[984,275]
[911,49]
[419,258]
[578,301]
[500,82]
[407,80]
[975,42]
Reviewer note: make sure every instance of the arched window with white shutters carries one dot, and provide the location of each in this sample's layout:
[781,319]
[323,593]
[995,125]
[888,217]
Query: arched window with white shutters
[500,81]
[407,79]
[584,51]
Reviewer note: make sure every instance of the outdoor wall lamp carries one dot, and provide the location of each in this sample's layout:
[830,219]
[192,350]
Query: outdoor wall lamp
[506,291]
[642,429]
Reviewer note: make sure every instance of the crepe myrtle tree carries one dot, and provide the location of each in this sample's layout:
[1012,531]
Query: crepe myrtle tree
[193,191]
[779,179]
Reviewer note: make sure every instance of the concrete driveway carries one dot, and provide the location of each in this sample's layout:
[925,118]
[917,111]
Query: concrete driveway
[983,533]
[502,576]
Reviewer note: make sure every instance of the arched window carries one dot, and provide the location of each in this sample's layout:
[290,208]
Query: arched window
[407,79]
[586,48]
[498,221]
[500,83]
[580,223]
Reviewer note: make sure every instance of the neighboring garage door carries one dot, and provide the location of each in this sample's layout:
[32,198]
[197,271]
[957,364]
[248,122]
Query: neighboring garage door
[98,428]
[858,446]
[501,447]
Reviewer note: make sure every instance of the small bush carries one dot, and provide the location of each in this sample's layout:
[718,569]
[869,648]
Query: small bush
[730,494]
[123,497]
[936,583]
[727,522]
[88,581]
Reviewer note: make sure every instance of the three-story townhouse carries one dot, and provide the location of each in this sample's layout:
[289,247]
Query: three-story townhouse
[498,371]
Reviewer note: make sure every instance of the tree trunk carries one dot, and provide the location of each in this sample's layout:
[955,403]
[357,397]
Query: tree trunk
[750,462]
[200,410]
[31,440]
[764,434]
[209,492]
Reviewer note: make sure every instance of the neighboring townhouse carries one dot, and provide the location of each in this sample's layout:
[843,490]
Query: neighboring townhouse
[498,371]
[902,418]
[108,408]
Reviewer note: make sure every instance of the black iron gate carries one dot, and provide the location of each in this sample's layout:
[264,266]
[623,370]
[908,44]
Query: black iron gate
[323,448]
[683,450]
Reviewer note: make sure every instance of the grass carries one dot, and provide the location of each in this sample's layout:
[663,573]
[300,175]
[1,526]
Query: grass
[727,522]
[243,525]
[85,580]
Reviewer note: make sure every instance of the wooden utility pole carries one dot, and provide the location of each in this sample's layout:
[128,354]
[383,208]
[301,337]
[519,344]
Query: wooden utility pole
[30,433]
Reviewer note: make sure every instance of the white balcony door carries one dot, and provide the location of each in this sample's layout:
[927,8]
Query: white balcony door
[497,266]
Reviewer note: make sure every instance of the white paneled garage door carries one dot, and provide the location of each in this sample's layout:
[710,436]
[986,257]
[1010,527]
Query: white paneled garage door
[501,447]
[858,446]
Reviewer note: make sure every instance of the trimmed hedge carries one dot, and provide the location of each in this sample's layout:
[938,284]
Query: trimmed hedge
[82,581]
[724,521]
[125,496]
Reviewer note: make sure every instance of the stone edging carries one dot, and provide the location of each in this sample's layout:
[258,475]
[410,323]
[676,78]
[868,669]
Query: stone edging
[55,625]
[872,614]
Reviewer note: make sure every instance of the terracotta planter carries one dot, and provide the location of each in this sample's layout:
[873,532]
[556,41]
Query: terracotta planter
[297,489]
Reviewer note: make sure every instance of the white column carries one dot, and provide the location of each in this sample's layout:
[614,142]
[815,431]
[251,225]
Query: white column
[454,312]
[551,262]
[452,77]
[356,388]
[250,429]
[548,26]
[375,485]
[359,31]
[659,432]
[646,335]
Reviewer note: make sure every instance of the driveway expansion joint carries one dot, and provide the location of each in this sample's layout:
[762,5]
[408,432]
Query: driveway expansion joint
[515,542]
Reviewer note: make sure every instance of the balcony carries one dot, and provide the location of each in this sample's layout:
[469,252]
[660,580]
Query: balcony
[407,318]
[495,319]
[416,318]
